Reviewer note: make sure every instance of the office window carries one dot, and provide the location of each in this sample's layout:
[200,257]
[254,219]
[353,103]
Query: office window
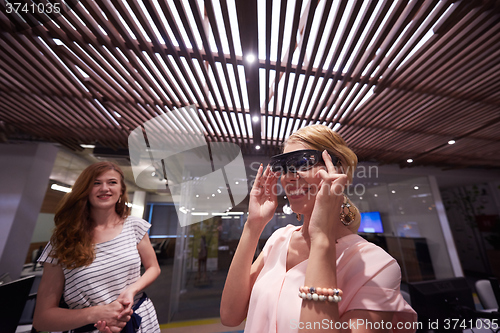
[163,219]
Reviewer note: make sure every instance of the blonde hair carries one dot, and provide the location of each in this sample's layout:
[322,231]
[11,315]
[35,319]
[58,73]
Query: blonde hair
[320,137]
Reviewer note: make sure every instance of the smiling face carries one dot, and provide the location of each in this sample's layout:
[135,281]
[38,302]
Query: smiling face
[106,190]
[301,187]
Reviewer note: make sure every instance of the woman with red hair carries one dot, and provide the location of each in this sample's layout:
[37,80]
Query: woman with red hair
[94,260]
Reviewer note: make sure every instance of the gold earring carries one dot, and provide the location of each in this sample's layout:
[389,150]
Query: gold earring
[299,216]
[346,218]
[120,200]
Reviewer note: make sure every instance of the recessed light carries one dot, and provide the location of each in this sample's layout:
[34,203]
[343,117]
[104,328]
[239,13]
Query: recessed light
[409,160]
[415,187]
[250,58]
[257,147]
[255,119]
[451,142]
[60,188]
[393,191]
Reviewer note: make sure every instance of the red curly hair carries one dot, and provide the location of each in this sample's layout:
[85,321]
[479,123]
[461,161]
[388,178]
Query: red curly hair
[72,239]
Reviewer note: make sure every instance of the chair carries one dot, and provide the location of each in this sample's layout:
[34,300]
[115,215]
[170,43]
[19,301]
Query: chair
[4,278]
[160,249]
[486,294]
[13,296]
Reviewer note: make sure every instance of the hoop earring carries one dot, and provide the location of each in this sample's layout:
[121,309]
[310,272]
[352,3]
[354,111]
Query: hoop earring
[299,216]
[346,218]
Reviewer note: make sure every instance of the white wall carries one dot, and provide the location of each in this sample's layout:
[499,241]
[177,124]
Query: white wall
[43,228]
[24,175]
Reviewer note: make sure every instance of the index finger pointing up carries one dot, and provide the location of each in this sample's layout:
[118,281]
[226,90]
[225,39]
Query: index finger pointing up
[328,161]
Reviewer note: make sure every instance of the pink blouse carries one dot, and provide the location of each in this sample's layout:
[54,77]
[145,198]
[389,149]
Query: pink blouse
[368,276]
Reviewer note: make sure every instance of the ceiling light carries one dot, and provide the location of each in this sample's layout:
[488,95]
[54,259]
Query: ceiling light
[451,142]
[393,191]
[250,58]
[255,119]
[415,187]
[257,147]
[87,146]
[60,188]
[409,160]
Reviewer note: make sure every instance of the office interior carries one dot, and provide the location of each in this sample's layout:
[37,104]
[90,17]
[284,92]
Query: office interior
[411,86]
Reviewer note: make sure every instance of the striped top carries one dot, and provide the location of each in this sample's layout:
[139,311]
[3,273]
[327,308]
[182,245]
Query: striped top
[116,266]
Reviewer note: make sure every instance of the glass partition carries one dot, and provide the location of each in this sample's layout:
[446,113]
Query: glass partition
[412,231]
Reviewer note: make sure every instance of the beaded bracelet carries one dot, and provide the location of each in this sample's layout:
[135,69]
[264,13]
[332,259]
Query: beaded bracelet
[320,294]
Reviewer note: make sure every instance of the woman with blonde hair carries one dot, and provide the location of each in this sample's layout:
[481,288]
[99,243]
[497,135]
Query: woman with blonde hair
[94,260]
[321,275]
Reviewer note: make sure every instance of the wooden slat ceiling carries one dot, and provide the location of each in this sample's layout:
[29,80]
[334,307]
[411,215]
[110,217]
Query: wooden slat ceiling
[398,79]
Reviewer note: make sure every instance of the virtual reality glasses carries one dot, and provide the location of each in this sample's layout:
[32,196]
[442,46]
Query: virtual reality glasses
[299,160]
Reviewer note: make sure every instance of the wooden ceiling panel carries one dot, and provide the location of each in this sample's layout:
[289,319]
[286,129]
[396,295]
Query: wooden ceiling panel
[398,79]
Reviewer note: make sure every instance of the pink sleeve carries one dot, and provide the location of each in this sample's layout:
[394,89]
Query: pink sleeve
[378,289]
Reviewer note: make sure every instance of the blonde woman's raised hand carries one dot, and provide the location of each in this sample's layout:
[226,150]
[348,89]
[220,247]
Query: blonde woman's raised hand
[263,198]
[325,216]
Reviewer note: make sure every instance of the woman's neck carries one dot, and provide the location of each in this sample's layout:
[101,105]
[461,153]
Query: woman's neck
[105,218]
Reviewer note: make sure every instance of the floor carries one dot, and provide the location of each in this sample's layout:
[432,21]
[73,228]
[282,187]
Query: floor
[200,326]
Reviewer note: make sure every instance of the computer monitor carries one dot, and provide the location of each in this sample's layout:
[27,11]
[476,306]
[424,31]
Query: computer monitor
[441,304]
[371,222]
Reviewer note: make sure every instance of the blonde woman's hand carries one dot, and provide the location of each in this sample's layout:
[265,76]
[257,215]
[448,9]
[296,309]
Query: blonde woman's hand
[263,199]
[325,224]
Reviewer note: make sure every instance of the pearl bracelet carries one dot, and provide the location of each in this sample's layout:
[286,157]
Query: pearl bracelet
[320,294]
